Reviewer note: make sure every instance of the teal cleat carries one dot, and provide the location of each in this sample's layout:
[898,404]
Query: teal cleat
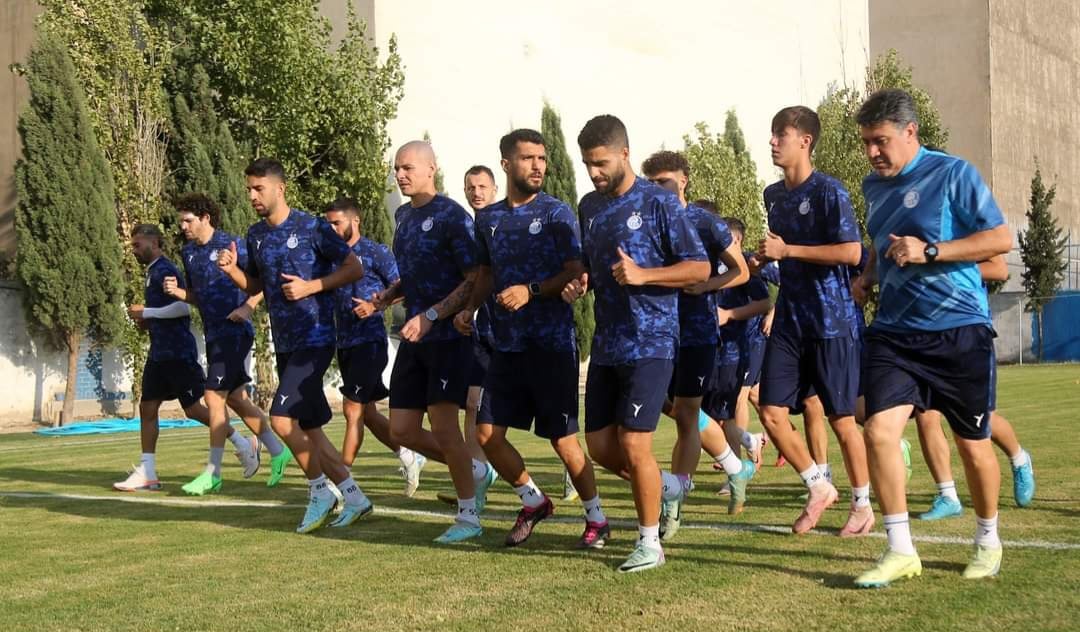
[1024,484]
[737,484]
[905,453]
[670,518]
[318,510]
[943,507]
[459,532]
[350,514]
[482,487]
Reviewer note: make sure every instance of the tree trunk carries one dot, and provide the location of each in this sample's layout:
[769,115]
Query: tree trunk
[1039,325]
[73,341]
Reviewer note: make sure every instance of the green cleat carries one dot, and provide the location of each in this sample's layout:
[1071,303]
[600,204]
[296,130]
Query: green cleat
[277,466]
[350,514]
[737,484]
[905,453]
[205,483]
[890,567]
[986,563]
[318,510]
[482,487]
[643,558]
[459,532]
[670,518]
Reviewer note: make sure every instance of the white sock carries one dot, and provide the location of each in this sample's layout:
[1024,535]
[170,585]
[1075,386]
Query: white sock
[986,532]
[406,456]
[148,460]
[466,511]
[730,462]
[479,470]
[748,441]
[319,487]
[240,442]
[1021,458]
[352,493]
[860,496]
[649,536]
[214,464]
[593,512]
[826,471]
[672,485]
[270,440]
[812,476]
[898,531]
[948,490]
[530,494]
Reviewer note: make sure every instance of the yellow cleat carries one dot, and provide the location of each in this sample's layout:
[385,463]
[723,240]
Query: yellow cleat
[890,567]
[987,563]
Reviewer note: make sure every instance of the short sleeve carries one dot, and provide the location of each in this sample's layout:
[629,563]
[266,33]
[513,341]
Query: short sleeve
[971,200]
[252,268]
[581,231]
[770,272]
[679,235]
[241,252]
[757,289]
[385,265]
[564,227]
[185,280]
[483,250]
[721,235]
[328,244]
[842,226]
[462,240]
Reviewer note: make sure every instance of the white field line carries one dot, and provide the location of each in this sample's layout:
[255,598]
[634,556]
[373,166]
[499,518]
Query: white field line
[148,499]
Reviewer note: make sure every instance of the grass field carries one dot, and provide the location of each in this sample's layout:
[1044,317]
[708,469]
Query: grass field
[76,556]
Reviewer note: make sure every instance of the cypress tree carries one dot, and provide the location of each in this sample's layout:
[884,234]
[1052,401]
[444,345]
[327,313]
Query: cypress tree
[1042,248]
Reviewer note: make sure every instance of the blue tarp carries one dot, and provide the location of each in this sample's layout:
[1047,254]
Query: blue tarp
[110,426]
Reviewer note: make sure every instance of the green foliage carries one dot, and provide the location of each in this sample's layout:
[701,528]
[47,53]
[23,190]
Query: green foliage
[722,171]
[559,183]
[440,184]
[68,258]
[1042,249]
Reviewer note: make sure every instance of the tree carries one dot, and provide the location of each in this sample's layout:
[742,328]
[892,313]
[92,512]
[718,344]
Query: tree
[1042,248]
[722,171]
[559,183]
[440,185]
[68,258]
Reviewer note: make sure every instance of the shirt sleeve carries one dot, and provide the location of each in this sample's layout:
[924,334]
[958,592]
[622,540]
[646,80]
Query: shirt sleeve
[770,272]
[462,240]
[720,234]
[483,251]
[840,216]
[328,244]
[385,265]
[241,252]
[678,234]
[972,201]
[757,289]
[564,227]
[252,267]
[581,231]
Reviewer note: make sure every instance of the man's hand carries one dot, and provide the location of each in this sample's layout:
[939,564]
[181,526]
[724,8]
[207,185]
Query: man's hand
[905,250]
[463,322]
[416,328]
[135,312]
[723,316]
[860,290]
[170,286]
[296,288]
[696,289]
[766,323]
[226,259]
[576,288]
[514,297]
[363,308]
[626,272]
[772,247]
[241,313]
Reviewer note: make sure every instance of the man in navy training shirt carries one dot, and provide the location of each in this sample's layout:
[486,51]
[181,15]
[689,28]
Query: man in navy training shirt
[814,344]
[695,360]
[529,250]
[362,346]
[932,219]
[228,332]
[291,259]
[639,249]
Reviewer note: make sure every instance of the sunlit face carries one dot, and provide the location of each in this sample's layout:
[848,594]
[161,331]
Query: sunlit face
[346,225]
[192,226]
[527,167]
[674,181]
[607,167]
[145,248]
[788,146]
[413,172]
[265,194]
[480,190]
[889,148]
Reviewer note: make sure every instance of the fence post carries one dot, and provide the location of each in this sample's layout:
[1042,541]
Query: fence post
[1020,319]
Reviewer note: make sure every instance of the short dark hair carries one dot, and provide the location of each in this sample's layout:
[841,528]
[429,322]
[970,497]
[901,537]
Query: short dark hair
[265,167]
[508,143]
[735,225]
[478,169]
[345,205]
[802,119]
[603,131]
[665,160]
[199,205]
[708,205]
[891,105]
[147,230]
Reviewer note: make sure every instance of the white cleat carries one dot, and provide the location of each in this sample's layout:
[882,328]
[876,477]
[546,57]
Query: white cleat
[137,481]
[411,473]
[251,459]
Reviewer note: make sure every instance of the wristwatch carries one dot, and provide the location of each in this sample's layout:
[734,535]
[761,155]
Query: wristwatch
[930,252]
[431,314]
[534,289]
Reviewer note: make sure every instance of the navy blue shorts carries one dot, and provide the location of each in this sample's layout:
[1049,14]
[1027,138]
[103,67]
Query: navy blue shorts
[361,372]
[631,395]
[533,385]
[794,368]
[481,361]
[427,373]
[165,380]
[226,363]
[694,368]
[719,403]
[300,393]
[951,371]
[755,358]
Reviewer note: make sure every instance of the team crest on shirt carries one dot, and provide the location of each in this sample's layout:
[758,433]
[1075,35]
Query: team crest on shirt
[804,207]
[911,199]
[536,226]
[214,255]
[429,223]
[634,221]
[293,241]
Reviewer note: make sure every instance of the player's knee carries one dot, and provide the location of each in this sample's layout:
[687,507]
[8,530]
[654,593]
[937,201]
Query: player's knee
[486,435]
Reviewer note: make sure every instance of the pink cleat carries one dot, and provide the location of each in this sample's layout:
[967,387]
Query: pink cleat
[860,521]
[821,496]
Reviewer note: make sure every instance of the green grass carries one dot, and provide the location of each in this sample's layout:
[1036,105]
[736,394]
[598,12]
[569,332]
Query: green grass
[79,564]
